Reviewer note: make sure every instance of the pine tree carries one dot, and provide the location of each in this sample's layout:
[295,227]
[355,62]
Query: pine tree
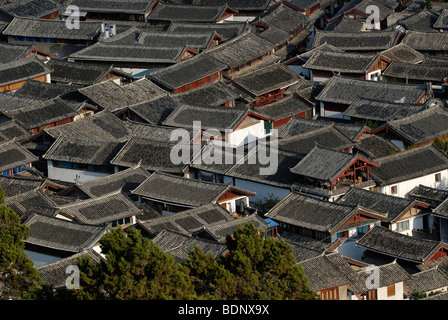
[18,277]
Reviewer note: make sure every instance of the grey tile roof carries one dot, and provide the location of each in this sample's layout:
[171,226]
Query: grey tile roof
[179,245]
[179,190]
[442,209]
[324,163]
[403,53]
[10,52]
[102,125]
[38,90]
[283,108]
[347,90]
[391,273]
[266,79]
[123,6]
[53,29]
[423,21]
[422,126]
[284,18]
[22,69]
[167,39]
[44,112]
[378,110]
[429,195]
[153,132]
[13,155]
[220,118]
[240,50]
[357,41]
[153,155]
[237,4]
[157,110]
[82,150]
[101,210]
[429,280]
[375,146]
[216,93]
[54,233]
[29,202]
[391,243]
[426,41]
[329,137]
[31,8]
[175,12]
[409,164]
[188,221]
[308,212]
[422,72]
[15,185]
[391,206]
[226,30]
[386,7]
[54,273]
[12,131]
[187,71]
[442,20]
[77,73]
[113,97]
[221,229]
[347,62]
[125,181]
[328,271]
[115,53]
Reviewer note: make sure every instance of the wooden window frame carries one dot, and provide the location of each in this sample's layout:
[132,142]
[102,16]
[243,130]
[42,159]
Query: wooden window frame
[391,290]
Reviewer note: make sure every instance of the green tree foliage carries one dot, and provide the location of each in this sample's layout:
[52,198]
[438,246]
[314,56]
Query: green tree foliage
[263,206]
[18,277]
[134,268]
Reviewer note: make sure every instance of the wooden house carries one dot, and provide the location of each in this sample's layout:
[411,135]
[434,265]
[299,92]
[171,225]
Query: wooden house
[84,74]
[186,222]
[340,92]
[73,159]
[15,158]
[322,220]
[379,112]
[114,10]
[237,126]
[417,129]
[14,74]
[267,84]
[242,53]
[115,98]
[61,238]
[431,43]
[324,64]
[111,210]
[171,194]
[403,215]
[409,251]
[362,42]
[10,52]
[189,74]
[53,273]
[399,173]
[432,281]
[246,10]
[48,114]
[330,276]
[391,284]
[26,30]
[329,172]
[403,53]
